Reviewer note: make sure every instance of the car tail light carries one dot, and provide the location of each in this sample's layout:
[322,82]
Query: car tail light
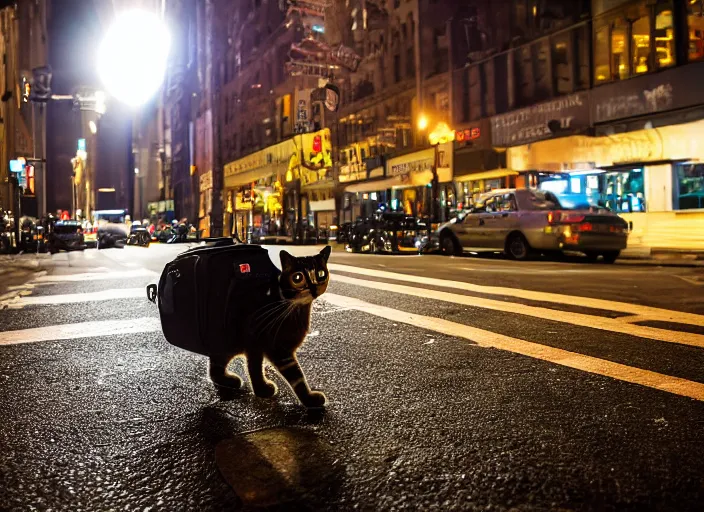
[586,226]
[554,217]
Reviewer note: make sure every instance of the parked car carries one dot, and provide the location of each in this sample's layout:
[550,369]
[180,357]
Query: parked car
[520,222]
[65,235]
[387,232]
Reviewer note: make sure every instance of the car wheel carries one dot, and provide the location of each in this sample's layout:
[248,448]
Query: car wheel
[517,247]
[592,256]
[448,245]
[610,256]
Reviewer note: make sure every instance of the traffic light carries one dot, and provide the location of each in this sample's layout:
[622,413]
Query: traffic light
[26,90]
[41,84]
[29,189]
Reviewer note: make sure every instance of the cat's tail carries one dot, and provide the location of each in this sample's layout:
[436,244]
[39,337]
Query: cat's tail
[151,293]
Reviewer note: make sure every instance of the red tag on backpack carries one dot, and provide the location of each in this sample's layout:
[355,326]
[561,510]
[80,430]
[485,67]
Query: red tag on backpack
[244,268]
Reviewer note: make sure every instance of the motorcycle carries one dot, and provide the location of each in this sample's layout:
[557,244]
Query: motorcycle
[140,237]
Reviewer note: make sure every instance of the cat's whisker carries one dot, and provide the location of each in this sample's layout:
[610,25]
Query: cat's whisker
[269,310]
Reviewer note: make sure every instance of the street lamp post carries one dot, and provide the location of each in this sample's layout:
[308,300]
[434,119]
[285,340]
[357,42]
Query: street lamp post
[441,134]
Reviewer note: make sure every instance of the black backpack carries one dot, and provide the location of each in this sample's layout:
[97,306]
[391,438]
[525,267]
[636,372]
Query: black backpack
[199,289]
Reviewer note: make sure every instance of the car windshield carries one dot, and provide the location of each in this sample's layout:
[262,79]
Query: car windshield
[67,229]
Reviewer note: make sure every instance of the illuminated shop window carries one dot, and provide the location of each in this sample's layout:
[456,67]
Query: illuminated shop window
[689,186]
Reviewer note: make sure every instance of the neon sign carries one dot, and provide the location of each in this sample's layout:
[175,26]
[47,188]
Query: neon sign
[468,134]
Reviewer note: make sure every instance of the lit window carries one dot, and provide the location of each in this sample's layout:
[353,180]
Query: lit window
[601,56]
[619,53]
[664,39]
[640,44]
[695,23]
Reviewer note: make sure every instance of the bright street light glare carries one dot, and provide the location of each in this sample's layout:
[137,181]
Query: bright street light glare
[133,56]
[93,127]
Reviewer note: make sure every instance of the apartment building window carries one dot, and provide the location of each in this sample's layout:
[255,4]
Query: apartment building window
[640,45]
[619,51]
[602,72]
[695,25]
[397,68]
[410,62]
[664,36]
[638,38]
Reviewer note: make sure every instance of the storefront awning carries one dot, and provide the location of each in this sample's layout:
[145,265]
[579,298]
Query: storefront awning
[374,186]
[240,179]
[326,205]
[487,175]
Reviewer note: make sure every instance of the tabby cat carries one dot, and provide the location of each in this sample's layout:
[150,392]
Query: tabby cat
[274,326]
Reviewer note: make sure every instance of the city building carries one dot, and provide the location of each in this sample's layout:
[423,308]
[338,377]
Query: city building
[277,173]
[389,106]
[23,107]
[641,153]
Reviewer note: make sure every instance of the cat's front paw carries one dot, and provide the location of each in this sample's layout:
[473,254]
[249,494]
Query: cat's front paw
[265,390]
[315,399]
[227,381]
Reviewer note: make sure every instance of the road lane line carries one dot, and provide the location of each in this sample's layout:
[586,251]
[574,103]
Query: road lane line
[95,276]
[72,298]
[81,330]
[651,313]
[582,320]
[488,339]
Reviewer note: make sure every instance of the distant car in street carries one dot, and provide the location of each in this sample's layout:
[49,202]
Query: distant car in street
[520,222]
[112,235]
[65,235]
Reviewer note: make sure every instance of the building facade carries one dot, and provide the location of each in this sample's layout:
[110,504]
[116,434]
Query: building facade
[587,99]
[23,130]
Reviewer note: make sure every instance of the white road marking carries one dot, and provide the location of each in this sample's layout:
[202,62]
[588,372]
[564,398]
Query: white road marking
[95,276]
[81,330]
[591,321]
[482,338]
[72,298]
[651,313]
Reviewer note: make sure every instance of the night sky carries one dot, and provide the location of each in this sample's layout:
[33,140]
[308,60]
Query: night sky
[74,36]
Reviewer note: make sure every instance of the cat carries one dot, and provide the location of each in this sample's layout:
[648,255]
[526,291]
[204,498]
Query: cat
[273,327]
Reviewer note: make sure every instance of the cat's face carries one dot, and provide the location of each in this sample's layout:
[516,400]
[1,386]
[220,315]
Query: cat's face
[304,279]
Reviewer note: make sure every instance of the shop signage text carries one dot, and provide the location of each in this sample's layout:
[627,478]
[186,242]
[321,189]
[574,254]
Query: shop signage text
[648,94]
[206,181]
[542,121]
[408,167]
[353,172]
[468,134]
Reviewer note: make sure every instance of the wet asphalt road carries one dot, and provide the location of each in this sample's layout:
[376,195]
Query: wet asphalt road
[470,388]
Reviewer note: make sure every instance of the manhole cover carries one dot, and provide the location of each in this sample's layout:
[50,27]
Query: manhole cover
[279,465]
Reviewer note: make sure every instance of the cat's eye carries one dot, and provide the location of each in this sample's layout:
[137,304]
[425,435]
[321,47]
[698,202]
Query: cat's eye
[321,274]
[297,278]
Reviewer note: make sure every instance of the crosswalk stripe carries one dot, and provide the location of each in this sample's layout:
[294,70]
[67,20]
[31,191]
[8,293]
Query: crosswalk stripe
[591,321]
[651,313]
[95,276]
[488,339]
[73,298]
[81,330]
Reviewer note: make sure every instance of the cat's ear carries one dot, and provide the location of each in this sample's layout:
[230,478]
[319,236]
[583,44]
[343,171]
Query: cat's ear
[325,253]
[286,259]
